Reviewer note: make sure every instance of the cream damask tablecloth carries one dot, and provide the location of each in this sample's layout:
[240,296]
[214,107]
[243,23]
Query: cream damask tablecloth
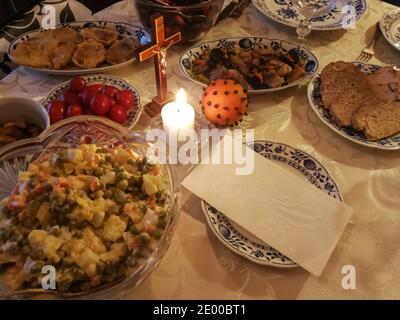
[197,265]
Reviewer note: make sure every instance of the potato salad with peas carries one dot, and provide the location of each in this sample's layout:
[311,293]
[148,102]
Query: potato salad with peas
[93,213]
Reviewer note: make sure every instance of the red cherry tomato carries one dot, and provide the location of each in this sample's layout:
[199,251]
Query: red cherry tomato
[118,114]
[87,93]
[74,110]
[112,102]
[70,98]
[77,84]
[56,111]
[100,104]
[126,99]
[95,87]
[110,91]
[85,96]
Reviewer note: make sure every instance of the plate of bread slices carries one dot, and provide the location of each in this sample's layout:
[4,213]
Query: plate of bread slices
[79,47]
[359,101]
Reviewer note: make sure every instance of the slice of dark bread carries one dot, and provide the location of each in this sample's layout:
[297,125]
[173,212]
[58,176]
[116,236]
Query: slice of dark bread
[378,119]
[359,118]
[344,88]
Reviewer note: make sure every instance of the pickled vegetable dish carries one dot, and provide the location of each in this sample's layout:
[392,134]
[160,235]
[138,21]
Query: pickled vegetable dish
[17,129]
[94,214]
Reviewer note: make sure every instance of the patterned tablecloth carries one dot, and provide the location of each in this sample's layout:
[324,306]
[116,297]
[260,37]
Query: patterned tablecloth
[197,265]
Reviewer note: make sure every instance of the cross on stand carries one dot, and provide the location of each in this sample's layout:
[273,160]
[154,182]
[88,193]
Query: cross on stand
[158,50]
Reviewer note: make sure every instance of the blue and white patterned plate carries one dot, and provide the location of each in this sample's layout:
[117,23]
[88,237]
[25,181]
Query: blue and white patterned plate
[123,29]
[283,11]
[133,113]
[315,100]
[390,27]
[250,43]
[241,241]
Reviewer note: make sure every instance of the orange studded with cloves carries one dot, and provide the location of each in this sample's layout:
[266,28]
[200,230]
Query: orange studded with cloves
[224,102]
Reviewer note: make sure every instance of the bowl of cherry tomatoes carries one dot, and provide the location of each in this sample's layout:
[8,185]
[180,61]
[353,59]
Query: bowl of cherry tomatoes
[99,95]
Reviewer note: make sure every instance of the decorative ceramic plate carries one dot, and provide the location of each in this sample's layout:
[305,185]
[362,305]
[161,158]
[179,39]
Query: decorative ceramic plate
[315,100]
[250,43]
[133,113]
[123,29]
[245,244]
[283,11]
[390,27]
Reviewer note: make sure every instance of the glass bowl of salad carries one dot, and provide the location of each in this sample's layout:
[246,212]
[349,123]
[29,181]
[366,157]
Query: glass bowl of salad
[83,212]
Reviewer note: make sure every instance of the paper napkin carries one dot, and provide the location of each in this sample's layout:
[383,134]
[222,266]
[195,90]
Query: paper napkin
[277,206]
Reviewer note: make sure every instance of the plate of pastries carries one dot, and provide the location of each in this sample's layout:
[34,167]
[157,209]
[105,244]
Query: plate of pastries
[359,101]
[70,48]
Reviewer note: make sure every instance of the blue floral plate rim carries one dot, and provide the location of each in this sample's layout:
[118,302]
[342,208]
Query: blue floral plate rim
[245,244]
[123,28]
[385,25]
[307,54]
[314,98]
[288,16]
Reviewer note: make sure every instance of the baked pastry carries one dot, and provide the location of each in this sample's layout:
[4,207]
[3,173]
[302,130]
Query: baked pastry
[50,49]
[57,48]
[31,53]
[103,35]
[89,54]
[122,50]
[48,54]
[67,41]
[65,35]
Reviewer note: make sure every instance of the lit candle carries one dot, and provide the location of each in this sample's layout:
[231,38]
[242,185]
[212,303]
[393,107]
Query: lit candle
[177,115]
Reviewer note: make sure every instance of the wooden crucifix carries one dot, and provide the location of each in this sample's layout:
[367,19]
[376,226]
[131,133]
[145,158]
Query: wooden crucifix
[158,50]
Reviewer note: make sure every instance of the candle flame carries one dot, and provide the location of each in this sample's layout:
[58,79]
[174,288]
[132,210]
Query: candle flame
[181,97]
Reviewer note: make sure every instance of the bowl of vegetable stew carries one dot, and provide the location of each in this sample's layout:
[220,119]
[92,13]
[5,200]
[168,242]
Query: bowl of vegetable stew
[83,198]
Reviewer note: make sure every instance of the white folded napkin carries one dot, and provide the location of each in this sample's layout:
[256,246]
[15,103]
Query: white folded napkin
[277,206]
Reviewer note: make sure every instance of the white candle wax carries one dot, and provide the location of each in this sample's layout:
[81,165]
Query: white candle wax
[177,115]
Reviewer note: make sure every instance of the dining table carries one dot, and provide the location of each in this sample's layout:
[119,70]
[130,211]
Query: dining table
[197,265]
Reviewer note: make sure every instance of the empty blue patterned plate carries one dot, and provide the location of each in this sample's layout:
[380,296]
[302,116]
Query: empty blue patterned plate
[244,243]
[283,11]
[315,100]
